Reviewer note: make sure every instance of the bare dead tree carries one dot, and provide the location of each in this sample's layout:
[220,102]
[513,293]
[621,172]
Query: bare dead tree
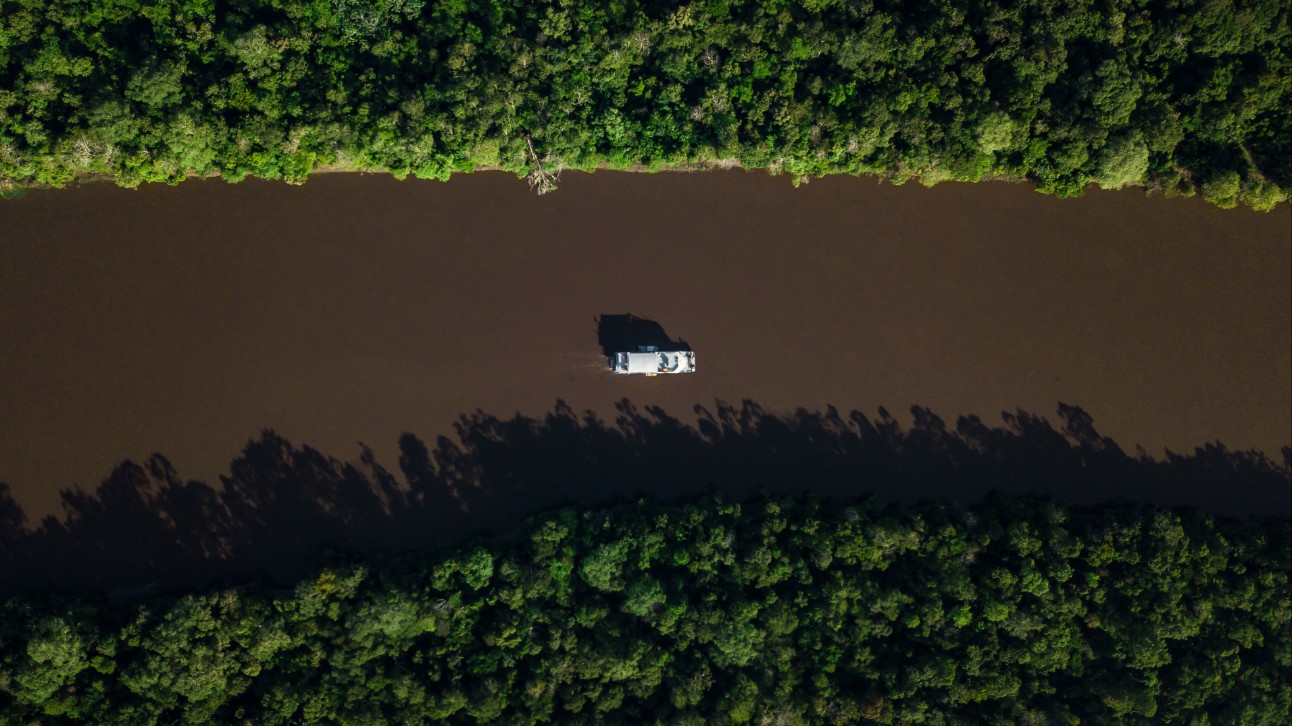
[546,172]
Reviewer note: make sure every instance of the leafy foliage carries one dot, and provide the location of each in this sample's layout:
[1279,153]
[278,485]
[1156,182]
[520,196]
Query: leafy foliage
[772,609]
[1175,95]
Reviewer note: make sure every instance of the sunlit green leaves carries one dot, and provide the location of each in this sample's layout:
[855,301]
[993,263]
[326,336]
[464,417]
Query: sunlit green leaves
[1053,92]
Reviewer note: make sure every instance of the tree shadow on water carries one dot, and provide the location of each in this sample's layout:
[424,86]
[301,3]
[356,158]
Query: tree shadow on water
[282,508]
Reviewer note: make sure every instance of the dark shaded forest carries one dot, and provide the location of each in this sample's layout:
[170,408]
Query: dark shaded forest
[1178,96]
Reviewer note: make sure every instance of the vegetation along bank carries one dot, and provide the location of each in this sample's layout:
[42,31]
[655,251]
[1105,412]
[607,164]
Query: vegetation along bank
[1180,96]
[779,610]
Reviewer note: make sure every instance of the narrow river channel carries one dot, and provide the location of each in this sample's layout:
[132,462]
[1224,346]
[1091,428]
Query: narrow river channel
[356,307]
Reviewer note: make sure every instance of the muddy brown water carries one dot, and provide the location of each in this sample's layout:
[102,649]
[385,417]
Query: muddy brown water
[356,307]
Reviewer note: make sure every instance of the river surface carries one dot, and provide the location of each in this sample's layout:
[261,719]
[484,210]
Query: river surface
[184,320]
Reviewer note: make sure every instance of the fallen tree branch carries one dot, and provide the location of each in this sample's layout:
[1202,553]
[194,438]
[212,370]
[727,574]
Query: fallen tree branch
[543,177]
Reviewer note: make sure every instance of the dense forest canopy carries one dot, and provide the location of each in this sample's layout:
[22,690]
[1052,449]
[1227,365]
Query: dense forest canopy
[773,610]
[1176,95]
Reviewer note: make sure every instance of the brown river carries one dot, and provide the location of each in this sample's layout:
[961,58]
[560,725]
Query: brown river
[184,320]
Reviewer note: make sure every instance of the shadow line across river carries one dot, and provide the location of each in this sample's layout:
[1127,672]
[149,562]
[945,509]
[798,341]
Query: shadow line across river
[284,509]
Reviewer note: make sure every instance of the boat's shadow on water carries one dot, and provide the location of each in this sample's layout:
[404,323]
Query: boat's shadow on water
[626,333]
[283,509]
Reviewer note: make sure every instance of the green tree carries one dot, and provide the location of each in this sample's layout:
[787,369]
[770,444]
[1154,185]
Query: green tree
[1122,161]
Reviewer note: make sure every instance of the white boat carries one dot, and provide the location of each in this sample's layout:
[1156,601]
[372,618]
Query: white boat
[651,361]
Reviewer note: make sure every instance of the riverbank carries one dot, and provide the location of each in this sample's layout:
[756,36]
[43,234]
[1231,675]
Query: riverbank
[897,178]
[1188,101]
